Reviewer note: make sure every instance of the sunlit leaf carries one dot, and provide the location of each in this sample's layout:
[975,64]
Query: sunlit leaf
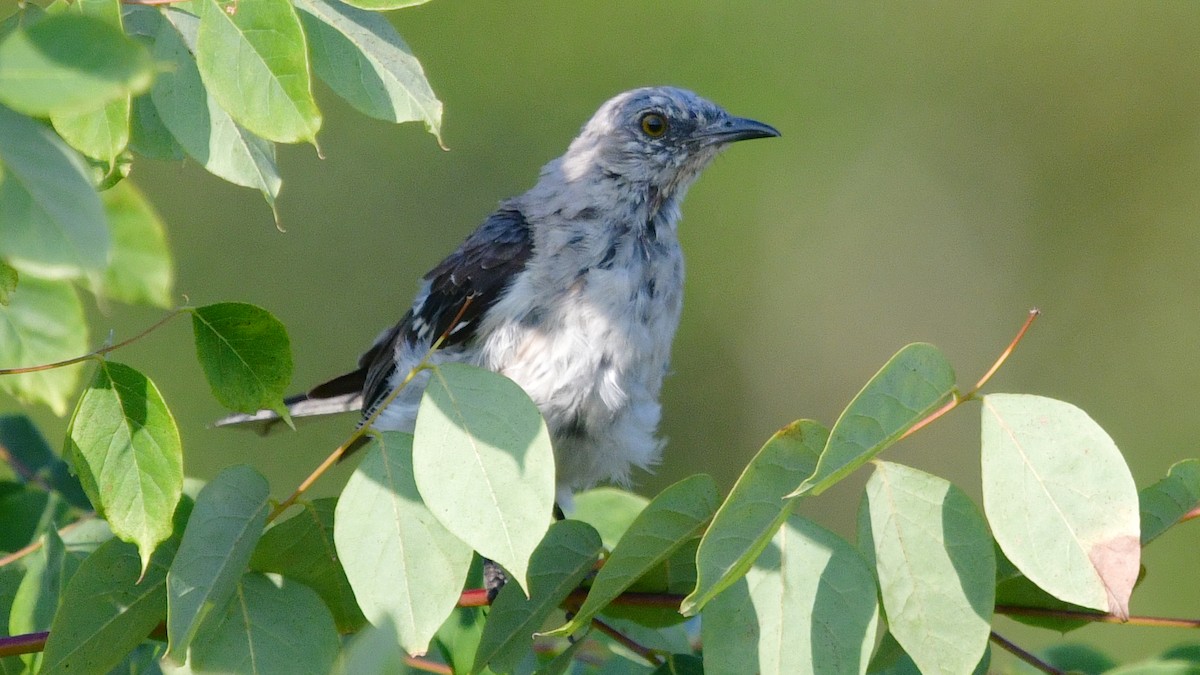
[754,509]
[124,446]
[8,278]
[484,465]
[258,46]
[43,323]
[245,354]
[141,269]
[400,560]
[609,510]
[912,384]
[373,651]
[672,518]
[1074,530]
[380,5]
[934,561]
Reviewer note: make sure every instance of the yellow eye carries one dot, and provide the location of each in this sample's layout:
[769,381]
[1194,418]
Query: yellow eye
[654,125]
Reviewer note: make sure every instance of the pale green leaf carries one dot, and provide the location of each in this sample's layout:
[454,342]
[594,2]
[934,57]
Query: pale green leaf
[484,465]
[245,354]
[382,5]
[204,130]
[755,508]
[913,383]
[373,651]
[271,625]
[400,560]
[226,523]
[890,659]
[671,519]
[561,561]
[807,605]
[141,270]
[1074,530]
[363,59]
[148,136]
[108,607]
[53,223]
[36,599]
[1168,500]
[253,58]
[935,564]
[68,64]
[302,548]
[609,510]
[124,446]
[43,323]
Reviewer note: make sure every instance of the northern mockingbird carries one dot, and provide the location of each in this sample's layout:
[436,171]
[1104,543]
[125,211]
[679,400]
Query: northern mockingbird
[575,290]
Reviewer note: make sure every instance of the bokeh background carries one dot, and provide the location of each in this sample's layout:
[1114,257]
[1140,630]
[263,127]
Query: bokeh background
[943,168]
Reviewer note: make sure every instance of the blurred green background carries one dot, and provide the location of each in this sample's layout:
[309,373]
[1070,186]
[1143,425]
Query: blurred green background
[943,168]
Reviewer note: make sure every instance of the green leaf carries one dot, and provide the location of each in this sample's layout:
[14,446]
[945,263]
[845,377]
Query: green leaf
[557,567]
[934,561]
[373,651]
[672,518]
[754,509]
[8,278]
[890,659]
[30,455]
[382,5]
[363,59]
[53,223]
[302,548]
[1075,529]
[400,560]
[37,597]
[807,605]
[68,64]
[27,511]
[609,510]
[43,323]
[148,136]
[484,465]
[1164,503]
[204,130]
[271,625]
[254,61]
[226,523]
[246,356]
[140,270]
[108,607]
[910,386]
[124,446]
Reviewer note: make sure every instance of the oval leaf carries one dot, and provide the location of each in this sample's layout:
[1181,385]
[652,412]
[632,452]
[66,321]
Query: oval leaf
[140,270]
[673,518]
[1167,501]
[1078,506]
[258,46]
[399,559]
[912,384]
[226,523]
[43,323]
[484,464]
[609,510]
[363,59]
[8,277]
[935,564]
[124,446]
[755,508]
[382,5]
[246,356]
[807,605]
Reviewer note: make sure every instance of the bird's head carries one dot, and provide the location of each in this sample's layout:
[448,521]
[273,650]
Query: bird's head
[656,138]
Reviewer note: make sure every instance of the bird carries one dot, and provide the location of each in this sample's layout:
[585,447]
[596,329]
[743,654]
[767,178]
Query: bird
[573,290]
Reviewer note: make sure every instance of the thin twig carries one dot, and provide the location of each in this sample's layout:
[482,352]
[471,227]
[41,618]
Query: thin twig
[428,666]
[629,643]
[1194,513]
[1024,655]
[99,352]
[36,545]
[1096,617]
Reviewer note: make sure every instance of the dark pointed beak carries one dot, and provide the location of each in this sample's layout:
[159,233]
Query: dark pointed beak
[730,129]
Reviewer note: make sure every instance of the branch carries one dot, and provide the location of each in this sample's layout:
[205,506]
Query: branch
[629,643]
[1096,617]
[99,352]
[1025,656]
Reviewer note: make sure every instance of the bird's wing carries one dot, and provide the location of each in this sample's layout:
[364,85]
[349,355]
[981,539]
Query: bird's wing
[479,271]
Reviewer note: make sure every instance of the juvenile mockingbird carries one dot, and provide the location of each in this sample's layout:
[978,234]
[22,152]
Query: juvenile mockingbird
[575,290]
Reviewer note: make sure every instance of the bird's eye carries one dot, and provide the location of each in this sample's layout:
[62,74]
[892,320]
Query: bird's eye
[654,125]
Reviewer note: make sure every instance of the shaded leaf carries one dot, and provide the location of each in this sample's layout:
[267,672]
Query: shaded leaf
[246,356]
[258,47]
[609,510]
[671,519]
[140,270]
[1075,530]
[484,465]
[400,560]
[891,659]
[934,561]
[28,511]
[373,651]
[807,605]
[1164,503]
[910,386]
[148,136]
[302,548]
[70,64]
[30,455]
[8,278]
[124,446]
[364,60]
[37,597]
[43,323]
[53,223]
[755,508]
[226,522]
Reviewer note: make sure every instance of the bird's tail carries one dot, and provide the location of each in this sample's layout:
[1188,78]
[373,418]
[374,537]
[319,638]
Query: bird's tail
[339,395]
